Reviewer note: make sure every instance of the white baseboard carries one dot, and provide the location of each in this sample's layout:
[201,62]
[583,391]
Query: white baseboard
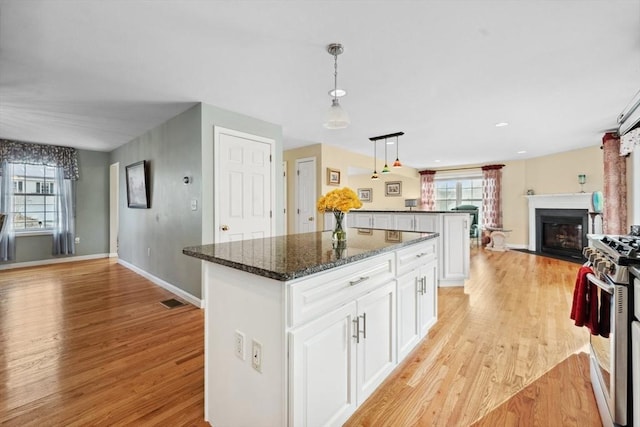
[113,255]
[163,284]
[51,261]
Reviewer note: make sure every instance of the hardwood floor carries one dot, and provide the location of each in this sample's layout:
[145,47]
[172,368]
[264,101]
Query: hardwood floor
[89,344]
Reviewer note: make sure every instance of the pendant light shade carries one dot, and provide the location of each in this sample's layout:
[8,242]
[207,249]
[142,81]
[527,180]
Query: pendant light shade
[336,118]
[385,169]
[397,163]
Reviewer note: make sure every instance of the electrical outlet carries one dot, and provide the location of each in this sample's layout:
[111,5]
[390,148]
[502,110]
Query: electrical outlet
[256,356]
[238,344]
[148,251]
[77,240]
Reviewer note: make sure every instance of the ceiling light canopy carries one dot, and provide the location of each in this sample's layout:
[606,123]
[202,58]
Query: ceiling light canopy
[337,118]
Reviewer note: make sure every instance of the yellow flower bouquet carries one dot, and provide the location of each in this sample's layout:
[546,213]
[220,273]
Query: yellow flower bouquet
[339,201]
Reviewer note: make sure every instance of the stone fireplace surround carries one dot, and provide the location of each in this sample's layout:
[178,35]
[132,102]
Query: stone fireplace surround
[555,201]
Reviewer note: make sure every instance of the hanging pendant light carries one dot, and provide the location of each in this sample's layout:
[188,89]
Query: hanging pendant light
[337,118]
[397,163]
[385,169]
[375,172]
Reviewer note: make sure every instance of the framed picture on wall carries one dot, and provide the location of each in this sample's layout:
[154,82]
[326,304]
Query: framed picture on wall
[333,176]
[393,188]
[365,194]
[393,236]
[138,185]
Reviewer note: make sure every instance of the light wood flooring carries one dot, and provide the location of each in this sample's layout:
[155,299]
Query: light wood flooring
[88,343]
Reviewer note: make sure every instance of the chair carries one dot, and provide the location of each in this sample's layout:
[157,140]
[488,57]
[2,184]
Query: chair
[474,231]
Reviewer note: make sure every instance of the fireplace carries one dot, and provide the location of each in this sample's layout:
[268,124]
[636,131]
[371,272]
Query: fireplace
[561,232]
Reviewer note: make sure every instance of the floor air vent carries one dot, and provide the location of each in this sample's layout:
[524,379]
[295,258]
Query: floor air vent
[172,303]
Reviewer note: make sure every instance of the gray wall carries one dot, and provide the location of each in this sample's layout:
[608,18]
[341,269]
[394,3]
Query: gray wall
[152,239]
[92,213]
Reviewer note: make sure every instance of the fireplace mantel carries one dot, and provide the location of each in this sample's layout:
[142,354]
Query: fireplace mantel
[554,201]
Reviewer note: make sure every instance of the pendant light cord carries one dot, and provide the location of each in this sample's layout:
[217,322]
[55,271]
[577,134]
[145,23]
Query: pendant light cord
[335,77]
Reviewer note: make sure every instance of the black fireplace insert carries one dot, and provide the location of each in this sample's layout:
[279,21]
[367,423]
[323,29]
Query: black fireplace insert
[561,232]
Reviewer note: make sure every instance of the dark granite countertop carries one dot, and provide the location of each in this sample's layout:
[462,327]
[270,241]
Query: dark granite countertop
[297,255]
[409,211]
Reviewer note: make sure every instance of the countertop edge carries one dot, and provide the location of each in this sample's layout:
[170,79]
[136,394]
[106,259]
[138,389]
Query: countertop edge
[292,275]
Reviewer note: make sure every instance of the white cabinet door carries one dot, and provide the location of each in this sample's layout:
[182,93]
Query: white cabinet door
[376,335]
[383,221]
[408,329]
[428,298]
[427,223]
[323,370]
[360,220]
[403,222]
[455,250]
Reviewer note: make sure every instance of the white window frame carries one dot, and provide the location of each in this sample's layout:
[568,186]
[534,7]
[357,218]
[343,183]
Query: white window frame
[41,183]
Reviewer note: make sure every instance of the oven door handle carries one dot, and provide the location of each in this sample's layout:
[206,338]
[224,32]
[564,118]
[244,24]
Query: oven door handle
[610,289]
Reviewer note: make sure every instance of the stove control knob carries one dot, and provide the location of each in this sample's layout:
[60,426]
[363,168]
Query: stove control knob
[587,251]
[593,256]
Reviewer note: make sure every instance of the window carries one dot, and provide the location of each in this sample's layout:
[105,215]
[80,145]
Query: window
[35,201]
[451,193]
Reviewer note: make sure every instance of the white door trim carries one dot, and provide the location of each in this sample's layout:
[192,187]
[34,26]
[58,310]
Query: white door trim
[217,131]
[114,195]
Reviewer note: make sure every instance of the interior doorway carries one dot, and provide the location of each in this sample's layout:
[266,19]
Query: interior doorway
[306,195]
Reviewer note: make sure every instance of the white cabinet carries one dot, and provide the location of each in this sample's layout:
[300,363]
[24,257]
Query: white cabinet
[422,222]
[383,221]
[455,248]
[342,357]
[360,220]
[403,222]
[323,383]
[375,330]
[416,296]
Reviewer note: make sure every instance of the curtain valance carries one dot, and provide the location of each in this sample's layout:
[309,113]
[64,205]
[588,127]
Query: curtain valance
[41,154]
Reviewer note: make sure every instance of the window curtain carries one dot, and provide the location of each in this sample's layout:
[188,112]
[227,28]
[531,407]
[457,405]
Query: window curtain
[492,196]
[41,154]
[7,235]
[64,229]
[629,140]
[428,190]
[614,218]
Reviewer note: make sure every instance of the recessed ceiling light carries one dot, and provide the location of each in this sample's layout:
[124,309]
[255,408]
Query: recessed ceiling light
[502,124]
[522,152]
[338,93]
[437,161]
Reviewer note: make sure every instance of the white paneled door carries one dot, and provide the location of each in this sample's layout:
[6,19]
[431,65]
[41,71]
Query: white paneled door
[306,195]
[244,176]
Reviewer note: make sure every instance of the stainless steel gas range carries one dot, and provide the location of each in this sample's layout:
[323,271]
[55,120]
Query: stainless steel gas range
[615,261]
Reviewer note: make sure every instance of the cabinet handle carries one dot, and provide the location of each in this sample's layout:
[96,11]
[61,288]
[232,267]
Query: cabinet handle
[364,325]
[424,285]
[357,324]
[421,254]
[360,280]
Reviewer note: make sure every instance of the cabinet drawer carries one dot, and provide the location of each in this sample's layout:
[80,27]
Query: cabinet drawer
[323,292]
[415,256]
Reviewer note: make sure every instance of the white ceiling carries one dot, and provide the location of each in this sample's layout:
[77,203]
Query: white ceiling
[95,74]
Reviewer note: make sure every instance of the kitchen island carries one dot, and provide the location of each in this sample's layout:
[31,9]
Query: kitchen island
[452,226]
[299,332]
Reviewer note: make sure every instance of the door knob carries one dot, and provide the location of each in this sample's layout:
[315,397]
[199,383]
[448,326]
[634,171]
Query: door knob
[224,228]
[310,218]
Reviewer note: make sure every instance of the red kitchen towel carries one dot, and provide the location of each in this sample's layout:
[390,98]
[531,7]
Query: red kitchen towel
[584,309]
